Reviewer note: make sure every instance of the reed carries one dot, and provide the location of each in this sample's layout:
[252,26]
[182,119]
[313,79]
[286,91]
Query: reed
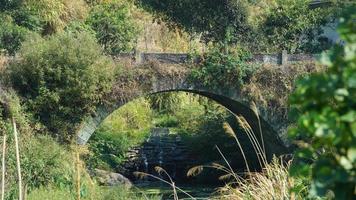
[17,159]
[3,168]
[272,182]
[170,181]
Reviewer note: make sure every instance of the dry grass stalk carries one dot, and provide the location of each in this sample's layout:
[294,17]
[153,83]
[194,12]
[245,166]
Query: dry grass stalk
[161,171]
[261,155]
[3,62]
[272,183]
[17,159]
[230,131]
[256,112]
[78,174]
[3,168]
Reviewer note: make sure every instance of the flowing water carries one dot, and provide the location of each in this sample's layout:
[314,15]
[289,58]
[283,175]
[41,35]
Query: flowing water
[170,153]
[199,192]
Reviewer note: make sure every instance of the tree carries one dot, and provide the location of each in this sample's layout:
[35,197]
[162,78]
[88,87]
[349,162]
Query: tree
[63,78]
[212,18]
[292,25]
[11,35]
[115,28]
[259,25]
[326,105]
[44,16]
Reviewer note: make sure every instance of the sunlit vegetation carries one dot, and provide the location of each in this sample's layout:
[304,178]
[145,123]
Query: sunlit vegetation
[57,67]
[53,78]
[125,128]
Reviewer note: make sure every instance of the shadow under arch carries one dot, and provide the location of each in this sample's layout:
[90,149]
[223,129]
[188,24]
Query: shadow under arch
[273,143]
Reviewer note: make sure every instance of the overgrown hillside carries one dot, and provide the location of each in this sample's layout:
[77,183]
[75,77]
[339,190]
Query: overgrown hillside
[57,67]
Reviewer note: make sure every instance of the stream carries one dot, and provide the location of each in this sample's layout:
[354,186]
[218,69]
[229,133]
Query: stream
[199,192]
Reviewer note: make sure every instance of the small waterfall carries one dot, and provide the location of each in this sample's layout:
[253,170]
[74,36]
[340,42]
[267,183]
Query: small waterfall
[174,168]
[160,154]
[161,149]
[145,165]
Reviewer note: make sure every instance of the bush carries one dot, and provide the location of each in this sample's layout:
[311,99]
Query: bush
[97,193]
[125,128]
[327,120]
[293,26]
[166,120]
[78,27]
[43,162]
[63,78]
[221,68]
[49,16]
[271,183]
[11,35]
[211,18]
[115,28]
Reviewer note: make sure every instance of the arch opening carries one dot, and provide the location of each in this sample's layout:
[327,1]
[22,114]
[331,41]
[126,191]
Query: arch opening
[273,145]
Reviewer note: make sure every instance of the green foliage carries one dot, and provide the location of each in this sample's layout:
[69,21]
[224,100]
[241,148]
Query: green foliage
[222,68]
[99,193]
[212,18]
[11,35]
[50,194]
[294,26]
[63,78]
[166,120]
[43,162]
[125,128]
[115,28]
[164,102]
[260,25]
[45,16]
[327,119]
[78,27]
[6,5]
[120,193]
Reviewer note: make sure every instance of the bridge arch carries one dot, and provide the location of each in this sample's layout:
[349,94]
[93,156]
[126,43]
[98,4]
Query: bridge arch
[228,98]
[150,73]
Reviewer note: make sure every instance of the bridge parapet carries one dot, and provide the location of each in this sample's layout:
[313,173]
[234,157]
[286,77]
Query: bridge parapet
[181,58]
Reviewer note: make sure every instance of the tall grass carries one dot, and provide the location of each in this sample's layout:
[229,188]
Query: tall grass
[272,182]
[170,181]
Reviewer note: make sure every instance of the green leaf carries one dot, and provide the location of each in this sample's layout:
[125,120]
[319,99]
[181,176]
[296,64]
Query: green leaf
[345,162]
[349,117]
[351,154]
[341,93]
[352,81]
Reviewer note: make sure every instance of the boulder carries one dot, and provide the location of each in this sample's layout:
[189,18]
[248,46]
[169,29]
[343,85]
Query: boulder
[111,179]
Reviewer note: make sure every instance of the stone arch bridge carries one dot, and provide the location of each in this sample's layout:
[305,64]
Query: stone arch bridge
[151,73]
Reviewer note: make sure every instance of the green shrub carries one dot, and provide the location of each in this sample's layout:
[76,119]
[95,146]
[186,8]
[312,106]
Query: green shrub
[9,4]
[63,78]
[327,120]
[114,26]
[43,162]
[49,16]
[78,27]
[50,194]
[166,120]
[11,35]
[97,193]
[293,26]
[222,68]
[125,128]
[167,102]
[211,18]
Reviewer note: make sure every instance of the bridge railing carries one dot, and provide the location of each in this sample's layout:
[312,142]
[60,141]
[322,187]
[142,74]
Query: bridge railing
[181,58]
